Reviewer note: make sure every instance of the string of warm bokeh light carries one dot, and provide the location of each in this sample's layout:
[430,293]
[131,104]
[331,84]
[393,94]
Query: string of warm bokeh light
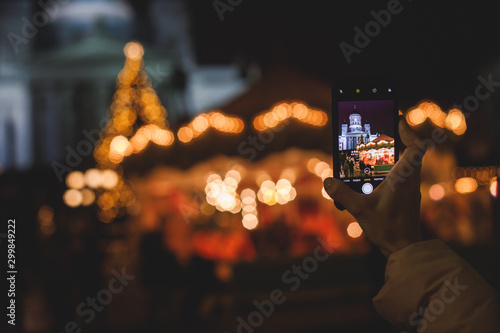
[221,193]
[280,192]
[454,120]
[284,111]
[322,170]
[120,146]
[465,185]
[482,175]
[137,116]
[380,144]
[249,214]
[106,187]
[216,120]
[466,180]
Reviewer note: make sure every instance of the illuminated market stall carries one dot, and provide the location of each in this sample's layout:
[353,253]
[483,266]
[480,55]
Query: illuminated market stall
[378,153]
[235,186]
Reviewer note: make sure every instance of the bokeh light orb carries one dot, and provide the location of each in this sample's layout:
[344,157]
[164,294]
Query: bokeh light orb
[75,180]
[465,185]
[354,230]
[72,198]
[133,50]
[436,192]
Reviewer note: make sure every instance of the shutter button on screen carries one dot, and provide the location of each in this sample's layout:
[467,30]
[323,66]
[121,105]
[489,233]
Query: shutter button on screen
[367,188]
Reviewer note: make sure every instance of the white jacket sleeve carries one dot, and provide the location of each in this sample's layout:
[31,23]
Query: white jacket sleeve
[429,288]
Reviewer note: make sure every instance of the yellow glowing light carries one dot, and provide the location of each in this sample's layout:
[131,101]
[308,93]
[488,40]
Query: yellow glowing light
[300,111]
[465,185]
[320,168]
[230,183]
[75,180]
[222,193]
[200,124]
[269,197]
[133,50]
[455,121]
[72,198]
[248,196]
[270,121]
[226,201]
[88,197]
[250,221]
[162,137]
[436,192]
[216,119]
[213,177]
[284,111]
[281,112]
[185,134]
[93,178]
[119,145]
[247,209]
[258,123]
[311,164]
[282,192]
[494,187]
[109,179]
[416,117]
[267,185]
[283,184]
[139,141]
[434,113]
[354,230]
[106,201]
[240,125]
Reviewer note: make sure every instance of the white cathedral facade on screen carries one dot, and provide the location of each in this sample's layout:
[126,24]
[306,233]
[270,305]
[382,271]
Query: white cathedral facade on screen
[355,133]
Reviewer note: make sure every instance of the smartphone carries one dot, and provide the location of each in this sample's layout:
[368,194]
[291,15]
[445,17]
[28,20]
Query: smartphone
[365,132]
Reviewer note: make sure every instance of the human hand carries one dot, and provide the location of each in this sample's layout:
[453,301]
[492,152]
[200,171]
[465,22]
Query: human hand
[389,216]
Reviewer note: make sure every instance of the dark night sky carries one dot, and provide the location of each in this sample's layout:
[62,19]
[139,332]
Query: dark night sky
[379,114]
[434,49]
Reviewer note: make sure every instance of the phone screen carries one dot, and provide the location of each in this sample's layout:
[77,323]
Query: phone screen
[366,141]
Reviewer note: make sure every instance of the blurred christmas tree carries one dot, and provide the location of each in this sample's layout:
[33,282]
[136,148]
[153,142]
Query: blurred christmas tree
[136,118]
[136,114]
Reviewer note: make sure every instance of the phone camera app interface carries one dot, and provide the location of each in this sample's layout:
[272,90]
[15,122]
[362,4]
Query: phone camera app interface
[366,138]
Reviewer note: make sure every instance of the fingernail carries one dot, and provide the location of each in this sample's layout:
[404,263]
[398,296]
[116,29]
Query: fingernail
[328,183]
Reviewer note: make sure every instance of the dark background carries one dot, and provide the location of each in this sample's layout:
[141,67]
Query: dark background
[435,49]
[379,114]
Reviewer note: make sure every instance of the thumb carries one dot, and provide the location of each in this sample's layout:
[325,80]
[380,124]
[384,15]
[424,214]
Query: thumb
[344,195]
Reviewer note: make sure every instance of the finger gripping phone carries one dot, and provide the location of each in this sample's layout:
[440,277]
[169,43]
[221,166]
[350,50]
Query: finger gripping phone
[365,132]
